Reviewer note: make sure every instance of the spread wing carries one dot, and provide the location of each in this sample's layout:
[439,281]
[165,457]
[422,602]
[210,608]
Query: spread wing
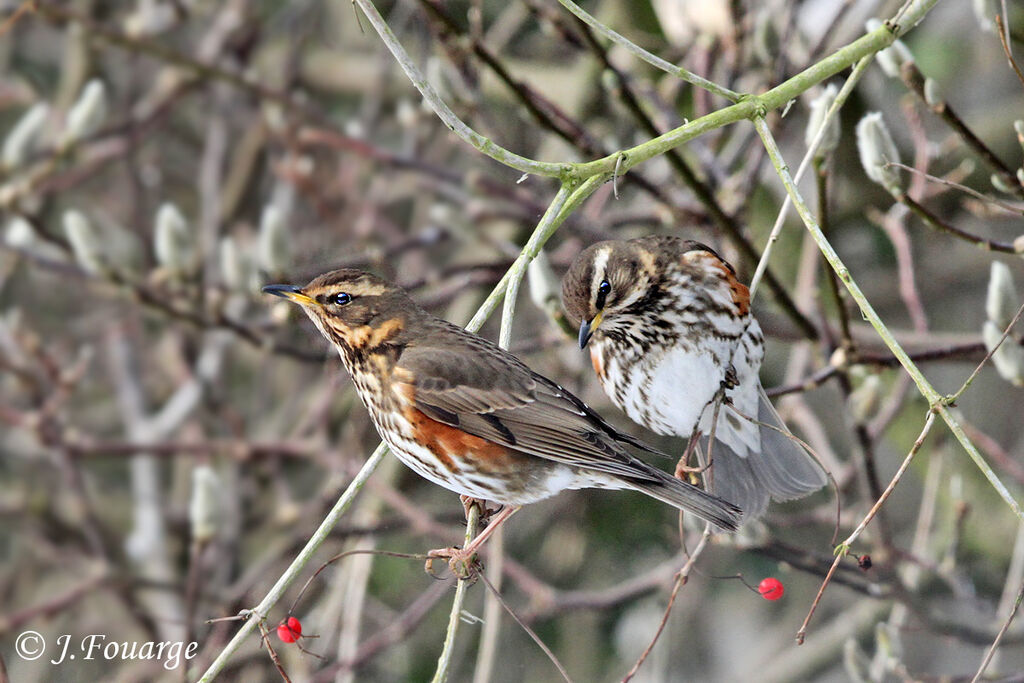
[489,393]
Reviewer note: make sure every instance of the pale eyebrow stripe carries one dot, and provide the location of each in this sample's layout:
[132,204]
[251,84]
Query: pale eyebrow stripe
[355,289]
[600,263]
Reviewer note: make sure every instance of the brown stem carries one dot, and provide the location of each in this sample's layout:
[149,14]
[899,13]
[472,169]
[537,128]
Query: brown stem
[914,80]
[934,221]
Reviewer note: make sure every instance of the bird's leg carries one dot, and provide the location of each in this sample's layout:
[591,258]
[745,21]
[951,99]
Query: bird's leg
[731,381]
[492,526]
[461,560]
[684,470]
[481,504]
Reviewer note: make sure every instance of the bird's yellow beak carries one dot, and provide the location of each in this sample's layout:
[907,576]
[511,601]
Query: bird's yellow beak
[290,292]
[588,327]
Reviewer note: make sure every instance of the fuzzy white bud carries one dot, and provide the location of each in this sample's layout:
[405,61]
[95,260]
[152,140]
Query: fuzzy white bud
[609,81]
[889,645]
[892,58]
[1008,358]
[274,244]
[856,662]
[354,129]
[863,401]
[819,107]
[88,112]
[23,137]
[545,287]
[406,114]
[985,11]
[20,234]
[150,18]
[204,507]
[173,241]
[85,243]
[1002,301]
[999,182]
[236,267]
[876,150]
[441,213]
[931,92]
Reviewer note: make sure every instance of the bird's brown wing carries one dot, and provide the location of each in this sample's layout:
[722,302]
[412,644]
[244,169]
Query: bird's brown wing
[489,393]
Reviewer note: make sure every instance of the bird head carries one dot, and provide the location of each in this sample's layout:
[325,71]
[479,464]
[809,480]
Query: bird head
[603,283]
[354,309]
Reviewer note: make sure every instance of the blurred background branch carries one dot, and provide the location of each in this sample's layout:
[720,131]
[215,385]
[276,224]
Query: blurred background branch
[162,159]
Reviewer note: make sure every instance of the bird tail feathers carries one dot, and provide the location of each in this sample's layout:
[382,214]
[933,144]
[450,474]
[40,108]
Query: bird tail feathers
[781,471]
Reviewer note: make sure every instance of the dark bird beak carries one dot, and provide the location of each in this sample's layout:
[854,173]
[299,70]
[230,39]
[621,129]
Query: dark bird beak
[587,328]
[290,292]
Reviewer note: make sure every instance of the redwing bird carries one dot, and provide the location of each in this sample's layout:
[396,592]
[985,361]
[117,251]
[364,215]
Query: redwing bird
[468,415]
[669,327]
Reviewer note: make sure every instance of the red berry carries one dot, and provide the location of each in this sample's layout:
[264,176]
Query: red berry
[770,588]
[289,630]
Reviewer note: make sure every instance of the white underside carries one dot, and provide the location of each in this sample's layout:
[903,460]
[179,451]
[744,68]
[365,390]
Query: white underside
[555,479]
[680,390]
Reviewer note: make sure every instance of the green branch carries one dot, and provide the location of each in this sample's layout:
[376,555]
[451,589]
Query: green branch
[753,107]
[812,150]
[936,402]
[564,202]
[749,107]
[579,181]
[260,612]
[652,59]
[481,143]
[444,660]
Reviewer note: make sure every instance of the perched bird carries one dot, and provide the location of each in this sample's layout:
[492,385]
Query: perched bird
[669,327]
[468,415]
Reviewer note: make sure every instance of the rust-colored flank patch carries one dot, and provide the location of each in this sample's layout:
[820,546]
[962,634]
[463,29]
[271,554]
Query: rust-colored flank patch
[739,291]
[451,445]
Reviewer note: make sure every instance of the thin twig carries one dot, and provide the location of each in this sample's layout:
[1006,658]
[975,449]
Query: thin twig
[844,548]
[488,650]
[809,156]
[444,660]
[999,636]
[936,401]
[259,613]
[1002,339]
[548,222]
[529,631]
[681,578]
[914,80]
[265,637]
[934,221]
[652,59]
[988,199]
[1000,25]
[444,112]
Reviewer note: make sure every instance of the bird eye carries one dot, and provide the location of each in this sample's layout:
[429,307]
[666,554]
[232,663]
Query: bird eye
[340,299]
[602,293]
